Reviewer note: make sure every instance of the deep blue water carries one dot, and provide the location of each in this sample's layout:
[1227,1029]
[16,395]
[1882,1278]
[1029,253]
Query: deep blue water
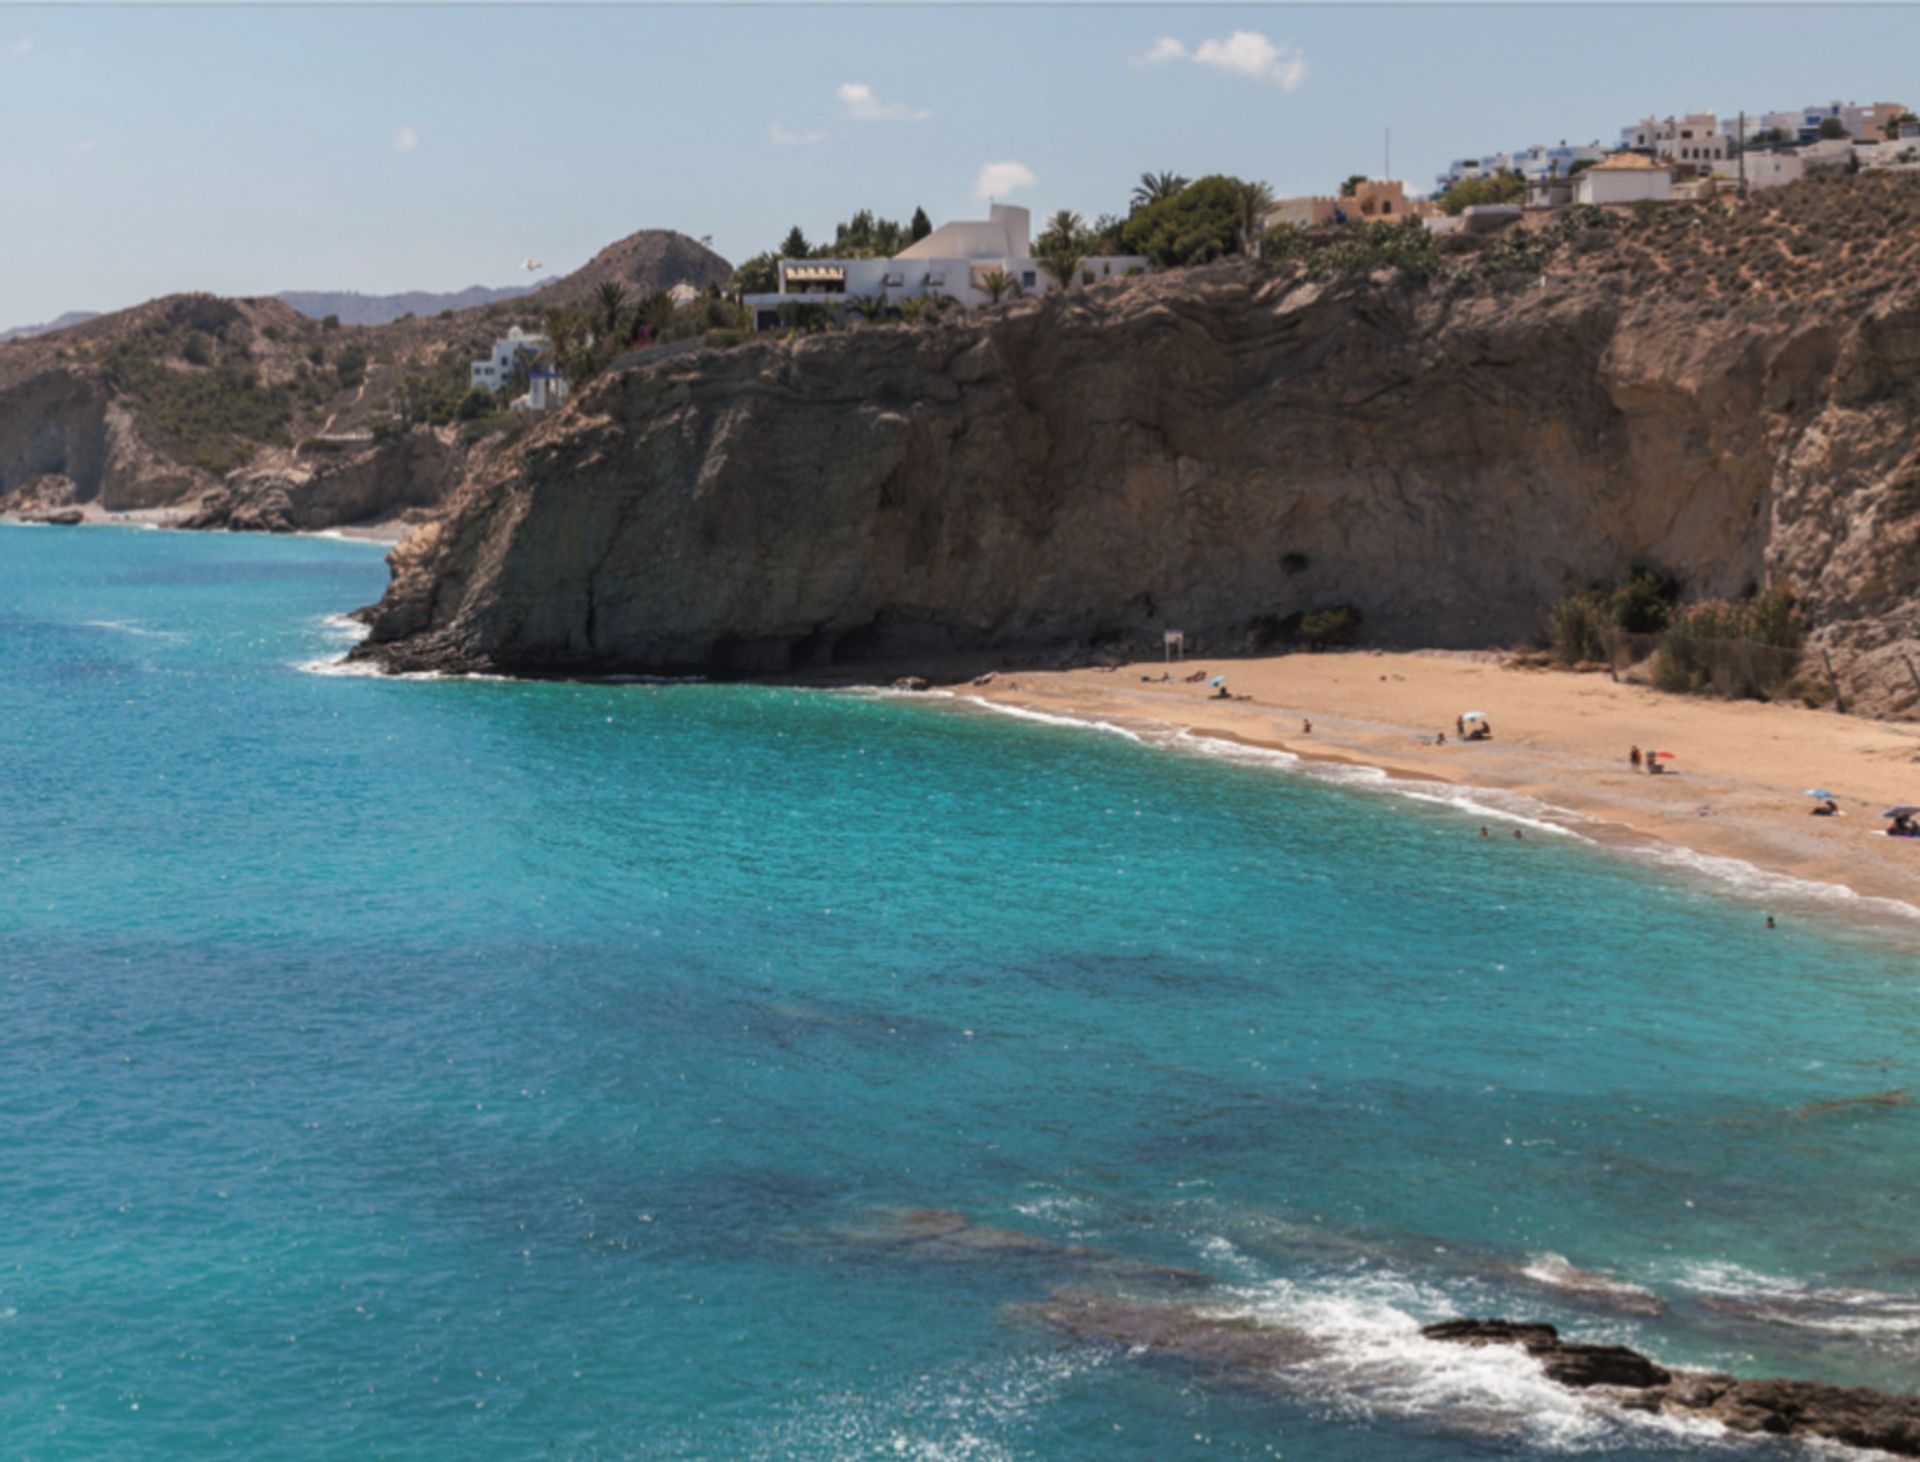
[480,1069]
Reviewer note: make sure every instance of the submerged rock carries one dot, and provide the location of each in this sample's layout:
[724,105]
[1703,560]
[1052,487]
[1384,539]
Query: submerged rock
[949,1236]
[1234,1344]
[1556,1275]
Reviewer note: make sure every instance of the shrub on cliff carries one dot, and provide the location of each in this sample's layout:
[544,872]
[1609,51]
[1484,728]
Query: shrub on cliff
[1575,627]
[1502,187]
[1199,223]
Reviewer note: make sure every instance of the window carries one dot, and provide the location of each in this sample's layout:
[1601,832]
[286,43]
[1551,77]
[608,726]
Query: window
[1027,280]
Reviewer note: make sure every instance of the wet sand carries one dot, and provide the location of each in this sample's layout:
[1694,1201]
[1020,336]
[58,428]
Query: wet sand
[1734,789]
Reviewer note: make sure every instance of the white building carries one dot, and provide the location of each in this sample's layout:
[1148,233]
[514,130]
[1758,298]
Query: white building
[1532,163]
[497,369]
[957,261]
[1626,177]
[1772,169]
[1694,139]
[546,389]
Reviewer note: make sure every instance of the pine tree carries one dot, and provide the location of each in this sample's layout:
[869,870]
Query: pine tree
[796,245]
[921,225]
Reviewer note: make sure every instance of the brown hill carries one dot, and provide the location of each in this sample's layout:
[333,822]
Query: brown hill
[646,262]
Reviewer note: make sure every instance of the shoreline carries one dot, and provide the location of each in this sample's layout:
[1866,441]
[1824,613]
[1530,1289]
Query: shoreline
[1736,798]
[388,532]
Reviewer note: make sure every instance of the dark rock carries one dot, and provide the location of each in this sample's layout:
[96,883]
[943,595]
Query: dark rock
[1565,1361]
[59,517]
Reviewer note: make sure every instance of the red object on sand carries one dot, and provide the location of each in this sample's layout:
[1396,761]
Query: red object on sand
[1666,754]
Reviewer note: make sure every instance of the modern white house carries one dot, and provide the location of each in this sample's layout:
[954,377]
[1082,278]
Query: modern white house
[1626,177]
[1532,163]
[497,369]
[956,261]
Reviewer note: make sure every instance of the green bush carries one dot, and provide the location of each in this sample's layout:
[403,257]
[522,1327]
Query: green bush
[1643,603]
[1199,223]
[1575,625]
[1747,650]
[478,402]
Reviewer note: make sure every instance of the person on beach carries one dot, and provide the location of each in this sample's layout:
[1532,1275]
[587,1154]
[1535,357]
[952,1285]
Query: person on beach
[1485,834]
[1439,738]
[1222,695]
[1770,921]
[1518,836]
[1633,757]
[1829,808]
[1460,726]
[1306,727]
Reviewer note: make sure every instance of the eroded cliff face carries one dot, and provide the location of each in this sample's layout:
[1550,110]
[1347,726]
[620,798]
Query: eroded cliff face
[1211,451]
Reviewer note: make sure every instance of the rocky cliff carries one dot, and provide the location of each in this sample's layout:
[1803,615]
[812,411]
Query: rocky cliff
[1215,450]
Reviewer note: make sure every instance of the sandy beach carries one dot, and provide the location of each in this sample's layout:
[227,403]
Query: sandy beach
[1735,787]
[93,515]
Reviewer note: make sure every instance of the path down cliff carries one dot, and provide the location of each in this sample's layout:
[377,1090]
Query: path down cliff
[1213,450]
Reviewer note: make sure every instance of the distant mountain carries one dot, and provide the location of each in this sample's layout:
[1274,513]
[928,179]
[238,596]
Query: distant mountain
[72,317]
[355,308]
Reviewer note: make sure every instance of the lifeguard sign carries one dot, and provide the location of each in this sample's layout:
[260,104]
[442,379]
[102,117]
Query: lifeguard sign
[1176,644]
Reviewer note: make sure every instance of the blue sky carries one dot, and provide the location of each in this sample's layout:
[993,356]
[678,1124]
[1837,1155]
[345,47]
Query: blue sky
[247,150]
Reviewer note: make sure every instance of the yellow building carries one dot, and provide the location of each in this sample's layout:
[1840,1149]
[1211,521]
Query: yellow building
[1373,200]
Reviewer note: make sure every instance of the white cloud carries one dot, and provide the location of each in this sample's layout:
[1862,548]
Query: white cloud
[997,179]
[405,140]
[863,106]
[787,137]
[1245,53]
[1161,53]
[21,47]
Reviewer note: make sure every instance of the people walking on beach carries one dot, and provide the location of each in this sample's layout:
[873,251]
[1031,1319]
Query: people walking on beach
[1633,757]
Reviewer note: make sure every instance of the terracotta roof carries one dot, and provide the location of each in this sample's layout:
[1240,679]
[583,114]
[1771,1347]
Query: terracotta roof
[1621,162]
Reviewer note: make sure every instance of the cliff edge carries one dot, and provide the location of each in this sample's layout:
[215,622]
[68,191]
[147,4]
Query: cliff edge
[1213,450]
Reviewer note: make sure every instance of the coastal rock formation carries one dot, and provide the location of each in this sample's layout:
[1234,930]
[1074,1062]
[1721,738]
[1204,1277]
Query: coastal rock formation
[1219,450]
[1855,1415]
[302,495]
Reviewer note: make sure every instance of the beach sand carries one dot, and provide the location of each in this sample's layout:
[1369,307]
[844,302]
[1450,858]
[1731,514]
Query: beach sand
[1735,789]
[390,531]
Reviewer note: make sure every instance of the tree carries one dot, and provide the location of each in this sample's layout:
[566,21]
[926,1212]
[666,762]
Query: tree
[1255,202]
[1581,164]
[1062,258]
[759,275]
[1503,187]
[795,245]
[1832,128]
[1893,127]
[997,283]
[1199,222]
[1352,184]
[921,225]
[477,403]
[1156,188]
[612,295]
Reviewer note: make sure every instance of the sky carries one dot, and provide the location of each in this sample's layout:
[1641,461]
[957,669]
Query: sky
[247,150]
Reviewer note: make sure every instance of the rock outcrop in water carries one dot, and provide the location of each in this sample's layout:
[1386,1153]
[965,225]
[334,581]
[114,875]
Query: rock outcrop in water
[1217,450]
[1855,1415]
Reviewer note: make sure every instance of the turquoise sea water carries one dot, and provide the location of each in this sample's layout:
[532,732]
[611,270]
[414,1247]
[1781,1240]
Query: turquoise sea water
[457,1069]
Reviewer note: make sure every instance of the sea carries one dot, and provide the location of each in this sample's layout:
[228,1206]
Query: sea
[463,1068]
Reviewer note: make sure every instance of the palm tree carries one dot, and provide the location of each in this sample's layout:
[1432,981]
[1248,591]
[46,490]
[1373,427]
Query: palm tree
[613,299]
[996,282]
[1062,258]
[1255,202]
[1066,226]
[1156,188]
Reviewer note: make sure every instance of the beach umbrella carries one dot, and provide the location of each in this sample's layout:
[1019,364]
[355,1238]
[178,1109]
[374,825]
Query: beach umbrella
[1218,680]
[1823,796]
[1905,809]
[1663,755]
[1474,716]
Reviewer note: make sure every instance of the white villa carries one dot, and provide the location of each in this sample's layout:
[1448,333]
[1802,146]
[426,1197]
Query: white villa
[497,369]
[1626,177]
[953,262]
